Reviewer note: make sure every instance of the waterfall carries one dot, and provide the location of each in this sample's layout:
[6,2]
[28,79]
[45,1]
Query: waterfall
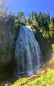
[27,52]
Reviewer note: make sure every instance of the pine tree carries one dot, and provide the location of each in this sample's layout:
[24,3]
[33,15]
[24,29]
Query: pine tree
[21,16]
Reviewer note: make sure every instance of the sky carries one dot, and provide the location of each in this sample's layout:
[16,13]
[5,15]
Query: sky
[27,6]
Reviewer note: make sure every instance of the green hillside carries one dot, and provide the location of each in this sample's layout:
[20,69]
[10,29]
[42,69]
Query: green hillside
[46,80]
[45,77]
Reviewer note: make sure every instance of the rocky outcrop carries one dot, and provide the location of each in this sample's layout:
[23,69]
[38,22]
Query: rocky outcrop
[6,40]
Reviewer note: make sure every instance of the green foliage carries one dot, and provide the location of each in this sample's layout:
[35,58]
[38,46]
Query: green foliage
[21,16]
[16,30]
[46,34]
[16,23]
[9,51]
[46,80]
[52,46]
[34,29]
[29,21]
[1,52]
[51,29]
[6,20]
[44,23]
[8,48]
[0,41]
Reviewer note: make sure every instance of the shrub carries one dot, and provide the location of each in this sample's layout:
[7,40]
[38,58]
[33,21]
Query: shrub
[52,46]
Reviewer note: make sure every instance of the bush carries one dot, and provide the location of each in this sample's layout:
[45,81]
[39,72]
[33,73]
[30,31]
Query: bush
[52,47]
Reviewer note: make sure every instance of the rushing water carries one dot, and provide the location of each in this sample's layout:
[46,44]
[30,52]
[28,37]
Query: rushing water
[27,52]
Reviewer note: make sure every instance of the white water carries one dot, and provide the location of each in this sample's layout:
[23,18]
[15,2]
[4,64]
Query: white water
[27,52]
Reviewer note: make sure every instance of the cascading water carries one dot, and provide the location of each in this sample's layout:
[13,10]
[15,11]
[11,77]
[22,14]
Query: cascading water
[27,52]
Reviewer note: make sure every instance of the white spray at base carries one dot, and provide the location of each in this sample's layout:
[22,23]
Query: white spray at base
[27,52]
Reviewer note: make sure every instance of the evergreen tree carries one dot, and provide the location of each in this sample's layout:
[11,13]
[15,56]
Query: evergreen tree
[21,16]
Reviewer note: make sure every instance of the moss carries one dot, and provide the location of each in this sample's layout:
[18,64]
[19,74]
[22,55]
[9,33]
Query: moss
[46,80]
